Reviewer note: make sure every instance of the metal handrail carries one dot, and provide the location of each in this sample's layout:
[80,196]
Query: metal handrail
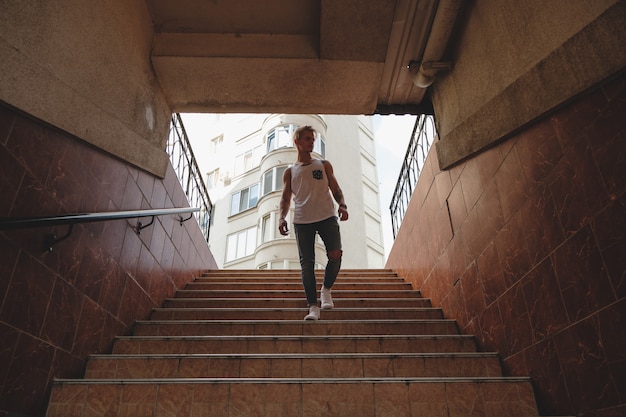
[423,136]
[184,163]
[71,219]
[28,222]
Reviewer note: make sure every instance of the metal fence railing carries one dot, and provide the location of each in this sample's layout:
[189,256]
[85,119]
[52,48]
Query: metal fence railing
[423,136]
[186,168]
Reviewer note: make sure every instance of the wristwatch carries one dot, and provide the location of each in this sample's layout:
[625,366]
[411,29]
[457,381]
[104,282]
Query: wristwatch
[344,206]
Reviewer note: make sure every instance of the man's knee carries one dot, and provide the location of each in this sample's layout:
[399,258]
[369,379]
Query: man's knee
[335,255]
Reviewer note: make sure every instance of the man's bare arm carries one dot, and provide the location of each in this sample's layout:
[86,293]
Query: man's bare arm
[336,191]
[285,202]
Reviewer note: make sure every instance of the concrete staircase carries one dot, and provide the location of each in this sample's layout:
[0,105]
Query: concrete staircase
[234,343]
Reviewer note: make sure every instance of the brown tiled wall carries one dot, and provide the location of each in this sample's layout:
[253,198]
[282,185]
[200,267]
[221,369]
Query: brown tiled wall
[57,307]
[525,245]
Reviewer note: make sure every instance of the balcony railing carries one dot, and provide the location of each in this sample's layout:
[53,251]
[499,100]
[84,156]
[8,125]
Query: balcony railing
[186,168]
[423,135]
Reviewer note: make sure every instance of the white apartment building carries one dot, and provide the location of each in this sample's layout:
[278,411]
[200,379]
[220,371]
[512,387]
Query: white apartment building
[244,157]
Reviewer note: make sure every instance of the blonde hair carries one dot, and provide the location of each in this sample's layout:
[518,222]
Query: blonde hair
[300,130]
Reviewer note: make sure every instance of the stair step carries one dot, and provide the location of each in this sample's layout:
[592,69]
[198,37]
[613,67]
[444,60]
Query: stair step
[293,313]
[294,344]
[235,343]
[295,285]
[295,294]
[293,366]
[299,302]
[346,273]
[365,397]
[298,279]
[295,327]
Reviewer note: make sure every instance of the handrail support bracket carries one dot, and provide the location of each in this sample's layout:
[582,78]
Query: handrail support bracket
[141,226]
[50,239]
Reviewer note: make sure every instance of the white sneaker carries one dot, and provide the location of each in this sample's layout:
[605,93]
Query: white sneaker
[314,313]
[327,299]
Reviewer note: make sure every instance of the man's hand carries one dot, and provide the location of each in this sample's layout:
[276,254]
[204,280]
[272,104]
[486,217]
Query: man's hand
[343,213]
[282,227]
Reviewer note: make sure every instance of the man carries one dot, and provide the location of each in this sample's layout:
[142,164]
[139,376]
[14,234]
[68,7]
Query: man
[311,182]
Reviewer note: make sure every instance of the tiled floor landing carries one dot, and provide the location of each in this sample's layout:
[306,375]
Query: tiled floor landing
[233,343]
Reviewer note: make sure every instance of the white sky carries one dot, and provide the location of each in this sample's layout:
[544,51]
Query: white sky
[391,137]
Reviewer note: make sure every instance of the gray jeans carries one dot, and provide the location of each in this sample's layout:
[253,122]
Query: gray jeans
[305,237]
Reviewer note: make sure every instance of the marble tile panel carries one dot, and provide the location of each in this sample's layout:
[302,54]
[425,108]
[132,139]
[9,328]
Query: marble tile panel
[138,401]
[512,186]
[147,368]
[512,251]
[464,399]
[342,400]
[255,368]
[174,400]
[25,143]
[131,250]
[514,313]
[67,401]
[504,400]
[89,329]
[408,366]
[210,400]
[456,205]
[492,329]
[10,258]
[283,400]
[10,179]
[103,400]
[113,282]
[491,215]
[612,333]
[582,278]
[546,310]
[28,372]
[472,293]
[573,123]
[378,367]
[542,230]
[471,183]
[474,240]
[577,201]
[610,161]
[7,119]
[392,400]
[286,368]
[64,308]
[585,367]
[247,399]
[66,177]
[21,312]
[428,400]
[101,369]
[491,277]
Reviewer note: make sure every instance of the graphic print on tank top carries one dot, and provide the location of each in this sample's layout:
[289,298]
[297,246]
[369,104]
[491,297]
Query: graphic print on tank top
[317,174]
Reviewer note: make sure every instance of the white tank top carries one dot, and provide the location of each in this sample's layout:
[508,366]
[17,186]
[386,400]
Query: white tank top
[311,195]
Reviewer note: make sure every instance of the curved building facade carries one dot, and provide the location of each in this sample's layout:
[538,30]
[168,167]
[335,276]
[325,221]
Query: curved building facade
[245,159]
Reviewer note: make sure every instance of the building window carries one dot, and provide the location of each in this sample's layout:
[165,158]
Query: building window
[248,160]
[244,199]
[216,145]
[212,178]
[273,180]
[320,145]
[241,244]
[282,136]
[266,228]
